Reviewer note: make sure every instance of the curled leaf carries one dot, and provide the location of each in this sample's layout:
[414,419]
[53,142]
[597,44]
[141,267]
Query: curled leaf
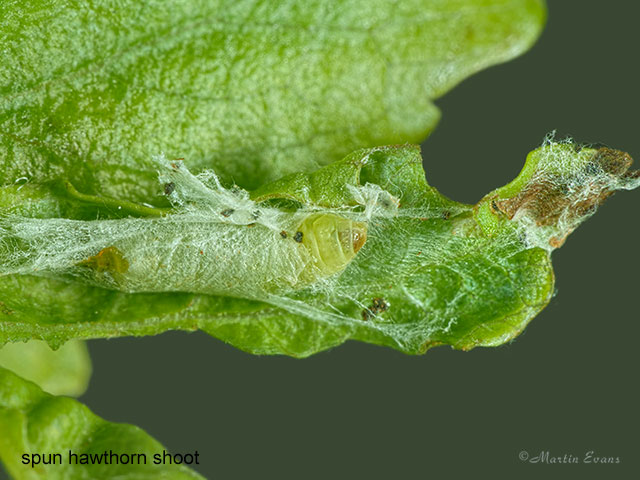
[429,271]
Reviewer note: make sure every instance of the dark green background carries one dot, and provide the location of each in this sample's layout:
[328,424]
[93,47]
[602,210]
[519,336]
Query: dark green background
[567,385]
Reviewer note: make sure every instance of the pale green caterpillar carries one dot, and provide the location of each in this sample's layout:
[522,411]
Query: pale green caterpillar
[181,253]
[222,244]
[331,241]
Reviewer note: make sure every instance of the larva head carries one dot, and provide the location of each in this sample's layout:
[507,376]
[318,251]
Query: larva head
[332,241]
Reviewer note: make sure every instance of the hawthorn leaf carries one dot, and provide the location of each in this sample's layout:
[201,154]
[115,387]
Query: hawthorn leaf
[414,268]
[36,424]
[91,91]
[65,371]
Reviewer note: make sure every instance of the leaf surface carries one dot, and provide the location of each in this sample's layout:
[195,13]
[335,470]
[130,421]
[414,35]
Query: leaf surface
[65,371]
[33,422]
[91,91]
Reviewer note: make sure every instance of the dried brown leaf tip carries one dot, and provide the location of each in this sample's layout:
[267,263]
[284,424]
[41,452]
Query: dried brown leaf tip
[613,162]
[554,198]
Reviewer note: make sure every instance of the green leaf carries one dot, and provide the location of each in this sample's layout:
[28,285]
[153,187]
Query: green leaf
[33,423]
[91,91]
[432,271]
[65,371]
